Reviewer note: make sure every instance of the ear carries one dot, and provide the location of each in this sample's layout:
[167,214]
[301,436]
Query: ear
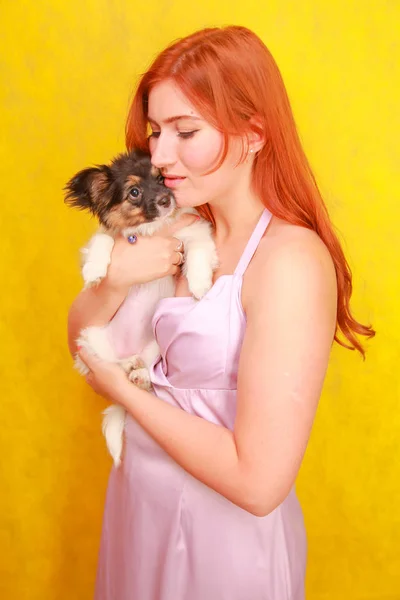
[85,189]
[256,136]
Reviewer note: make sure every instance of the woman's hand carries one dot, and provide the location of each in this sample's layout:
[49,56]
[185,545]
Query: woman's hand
[107,379]
[131,264]
[148,259]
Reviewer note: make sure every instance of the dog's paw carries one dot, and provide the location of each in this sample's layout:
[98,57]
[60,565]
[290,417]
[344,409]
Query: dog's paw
[201,261]
[93,273]
[137,371]
[132,363]
[140,378]
[200,282]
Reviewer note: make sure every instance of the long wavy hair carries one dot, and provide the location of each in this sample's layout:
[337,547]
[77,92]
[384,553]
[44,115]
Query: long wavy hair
[230,76]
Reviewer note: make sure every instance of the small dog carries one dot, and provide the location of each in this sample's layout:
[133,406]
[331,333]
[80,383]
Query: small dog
[128,197]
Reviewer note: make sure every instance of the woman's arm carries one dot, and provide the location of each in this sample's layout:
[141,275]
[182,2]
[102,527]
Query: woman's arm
[291,318]
[94,306]
[150,258]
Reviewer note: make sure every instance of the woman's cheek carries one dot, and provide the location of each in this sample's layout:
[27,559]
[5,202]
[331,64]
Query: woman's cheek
[201,155]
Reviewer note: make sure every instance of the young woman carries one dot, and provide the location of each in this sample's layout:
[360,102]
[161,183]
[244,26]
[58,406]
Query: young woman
[203,506]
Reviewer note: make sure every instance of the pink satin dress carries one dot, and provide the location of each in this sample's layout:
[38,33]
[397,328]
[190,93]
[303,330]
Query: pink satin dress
[166,535]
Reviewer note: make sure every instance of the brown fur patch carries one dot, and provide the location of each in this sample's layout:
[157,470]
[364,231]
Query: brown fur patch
[133,180]
[125,215]
[155,171]
[98,186]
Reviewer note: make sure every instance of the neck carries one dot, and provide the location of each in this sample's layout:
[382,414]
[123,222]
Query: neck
[234,218]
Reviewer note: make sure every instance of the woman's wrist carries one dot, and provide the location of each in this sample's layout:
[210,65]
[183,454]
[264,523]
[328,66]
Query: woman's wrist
[114,289]
[124,394]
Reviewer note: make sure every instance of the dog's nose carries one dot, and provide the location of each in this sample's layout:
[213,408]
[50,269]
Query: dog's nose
[164,201]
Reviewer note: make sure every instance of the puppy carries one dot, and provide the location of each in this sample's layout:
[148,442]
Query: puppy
[128,197]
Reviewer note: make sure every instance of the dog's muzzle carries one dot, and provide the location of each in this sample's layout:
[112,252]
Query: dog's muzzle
[166,204]
[166,200]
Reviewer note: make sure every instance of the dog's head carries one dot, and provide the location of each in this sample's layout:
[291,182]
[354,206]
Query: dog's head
[126,193]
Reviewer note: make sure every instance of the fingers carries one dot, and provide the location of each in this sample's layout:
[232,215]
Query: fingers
[179,247]
[176,245]
[180,260]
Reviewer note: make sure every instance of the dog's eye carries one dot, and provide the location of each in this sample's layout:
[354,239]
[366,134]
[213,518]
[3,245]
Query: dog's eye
[134,192]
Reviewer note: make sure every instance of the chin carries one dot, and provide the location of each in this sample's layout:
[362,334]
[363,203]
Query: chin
[186,200]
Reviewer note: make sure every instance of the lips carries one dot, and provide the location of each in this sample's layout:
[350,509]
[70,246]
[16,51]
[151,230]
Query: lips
[173,181]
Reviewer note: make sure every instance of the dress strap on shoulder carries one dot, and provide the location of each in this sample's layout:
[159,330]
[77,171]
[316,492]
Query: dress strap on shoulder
[253,242]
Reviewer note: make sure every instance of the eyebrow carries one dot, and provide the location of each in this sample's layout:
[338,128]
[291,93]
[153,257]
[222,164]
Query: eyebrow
[173,119]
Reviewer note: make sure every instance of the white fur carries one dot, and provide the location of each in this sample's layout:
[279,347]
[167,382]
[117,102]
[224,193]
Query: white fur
[200,262]
[96,258]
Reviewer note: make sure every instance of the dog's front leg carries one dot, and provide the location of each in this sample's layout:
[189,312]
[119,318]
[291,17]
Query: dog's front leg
[200,257]
[96,258]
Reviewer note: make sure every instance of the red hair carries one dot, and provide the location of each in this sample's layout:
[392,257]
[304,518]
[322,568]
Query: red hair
[230,76]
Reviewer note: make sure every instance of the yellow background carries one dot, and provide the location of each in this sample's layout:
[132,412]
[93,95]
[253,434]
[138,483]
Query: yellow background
[68,69]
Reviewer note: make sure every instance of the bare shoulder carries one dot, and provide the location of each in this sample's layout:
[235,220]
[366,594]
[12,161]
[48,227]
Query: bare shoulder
[289,257]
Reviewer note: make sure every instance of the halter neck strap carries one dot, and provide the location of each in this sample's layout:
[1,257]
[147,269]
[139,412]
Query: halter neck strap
[253,242]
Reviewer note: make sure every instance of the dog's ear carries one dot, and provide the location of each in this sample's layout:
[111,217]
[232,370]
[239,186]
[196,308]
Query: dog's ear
[86,188]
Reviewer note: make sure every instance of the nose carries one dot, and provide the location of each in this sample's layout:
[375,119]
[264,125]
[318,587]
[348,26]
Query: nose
[165,200]
[162,152]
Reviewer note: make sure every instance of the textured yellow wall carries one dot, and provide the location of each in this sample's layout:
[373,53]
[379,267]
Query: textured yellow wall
[67,70]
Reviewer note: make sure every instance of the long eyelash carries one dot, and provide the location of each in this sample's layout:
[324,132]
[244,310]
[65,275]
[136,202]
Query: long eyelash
[187,134]
[182,134]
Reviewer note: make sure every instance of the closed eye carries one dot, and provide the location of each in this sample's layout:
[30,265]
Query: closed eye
[187,134]
[182,134]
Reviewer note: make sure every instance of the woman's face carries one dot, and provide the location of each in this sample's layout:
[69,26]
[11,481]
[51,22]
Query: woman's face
[185,147]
